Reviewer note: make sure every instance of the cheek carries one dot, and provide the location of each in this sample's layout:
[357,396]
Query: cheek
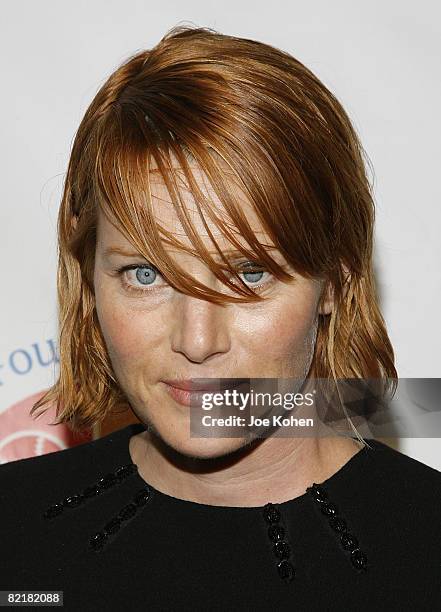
[284,329]
[129,334]
[118,333]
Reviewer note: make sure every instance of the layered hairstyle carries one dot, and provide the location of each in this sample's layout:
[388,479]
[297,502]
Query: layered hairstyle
[221,102]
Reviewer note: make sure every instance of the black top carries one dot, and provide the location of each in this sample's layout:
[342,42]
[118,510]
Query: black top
[84,522]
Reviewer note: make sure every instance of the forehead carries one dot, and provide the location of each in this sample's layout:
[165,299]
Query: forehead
[166,215]
[165,212]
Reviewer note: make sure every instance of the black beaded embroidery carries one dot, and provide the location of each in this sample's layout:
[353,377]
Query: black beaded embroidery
[104,483]
[100,539]
[347,540]
[281,548]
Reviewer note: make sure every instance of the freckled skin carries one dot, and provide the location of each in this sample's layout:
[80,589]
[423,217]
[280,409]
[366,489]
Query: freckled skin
[166,334]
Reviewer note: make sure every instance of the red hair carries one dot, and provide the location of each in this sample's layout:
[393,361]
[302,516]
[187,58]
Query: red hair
[288,143]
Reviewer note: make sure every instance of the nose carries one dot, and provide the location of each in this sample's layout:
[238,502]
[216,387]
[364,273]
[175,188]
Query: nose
[201,329]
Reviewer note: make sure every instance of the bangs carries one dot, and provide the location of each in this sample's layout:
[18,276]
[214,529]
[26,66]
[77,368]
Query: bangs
[253,122]
[136,155]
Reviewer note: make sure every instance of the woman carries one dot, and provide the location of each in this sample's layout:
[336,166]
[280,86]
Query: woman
[217,223]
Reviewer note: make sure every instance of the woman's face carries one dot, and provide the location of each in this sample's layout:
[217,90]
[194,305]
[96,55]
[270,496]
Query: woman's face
[153,332]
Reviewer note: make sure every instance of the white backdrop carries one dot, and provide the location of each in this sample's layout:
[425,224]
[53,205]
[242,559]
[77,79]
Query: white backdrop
[381,59]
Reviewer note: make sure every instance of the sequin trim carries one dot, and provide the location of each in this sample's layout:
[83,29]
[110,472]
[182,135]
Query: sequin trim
[105,483]
[99,540]
[126,514]
[348,541]
[281,547]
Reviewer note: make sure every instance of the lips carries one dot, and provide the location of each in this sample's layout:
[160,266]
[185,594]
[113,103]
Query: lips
[190,385]
[216,385]
[186,398]
[190,393]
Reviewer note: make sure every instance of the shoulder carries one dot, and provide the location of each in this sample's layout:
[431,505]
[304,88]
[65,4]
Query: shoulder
[39,477]
[401,494]
[391,495]
[61,486]
[401,471]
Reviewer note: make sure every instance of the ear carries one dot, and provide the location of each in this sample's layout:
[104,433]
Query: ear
[328,299]
[346,279]
[74,221]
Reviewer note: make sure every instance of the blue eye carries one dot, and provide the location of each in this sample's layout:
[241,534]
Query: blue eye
[146,275]
[253,273]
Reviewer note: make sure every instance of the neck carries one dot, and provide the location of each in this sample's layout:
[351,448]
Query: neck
[270,469]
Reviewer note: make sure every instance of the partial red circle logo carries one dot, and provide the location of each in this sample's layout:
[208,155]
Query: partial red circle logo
[23,436]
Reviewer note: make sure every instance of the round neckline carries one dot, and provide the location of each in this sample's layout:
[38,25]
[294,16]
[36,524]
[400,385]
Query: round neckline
[355,461]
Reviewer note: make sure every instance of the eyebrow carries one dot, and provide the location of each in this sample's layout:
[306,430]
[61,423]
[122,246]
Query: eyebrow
[119,251]
[125,253]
